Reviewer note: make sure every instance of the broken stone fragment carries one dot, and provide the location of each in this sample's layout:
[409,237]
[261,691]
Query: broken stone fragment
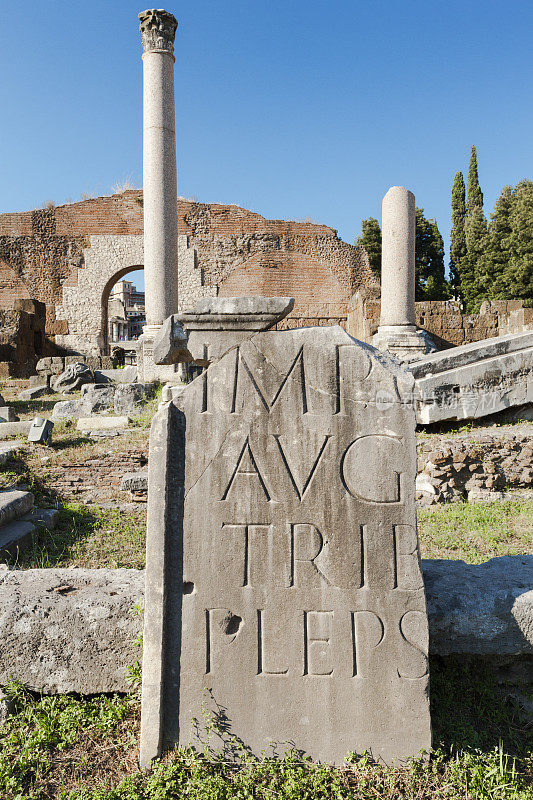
[73,378]
[170,343]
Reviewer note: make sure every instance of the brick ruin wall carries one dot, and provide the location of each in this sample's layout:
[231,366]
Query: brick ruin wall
[444,320]
[69,257]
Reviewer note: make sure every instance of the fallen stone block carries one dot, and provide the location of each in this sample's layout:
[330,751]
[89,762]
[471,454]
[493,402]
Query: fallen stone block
[135,482]
[128,397]
[102,423]
[8,429]
[66,409]
[480,609]
[475,380]
[170,343]
[73,630]
[14,503]
[73,378]
[15,537]
[96,397]
[126,375]
[43,518]
[33,392]
[69,629]
[7,451]
[7,414]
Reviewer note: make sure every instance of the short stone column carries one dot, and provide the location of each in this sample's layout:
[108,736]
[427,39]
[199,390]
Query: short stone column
[397,332]
[160,201]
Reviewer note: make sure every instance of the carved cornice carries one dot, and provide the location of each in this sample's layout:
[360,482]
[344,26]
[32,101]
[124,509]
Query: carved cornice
[158,29]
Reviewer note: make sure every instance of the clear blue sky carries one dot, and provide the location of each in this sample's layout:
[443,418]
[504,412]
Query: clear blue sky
[296,109]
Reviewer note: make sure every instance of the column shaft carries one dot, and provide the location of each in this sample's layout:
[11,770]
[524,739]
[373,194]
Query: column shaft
[159,187]
[398,258]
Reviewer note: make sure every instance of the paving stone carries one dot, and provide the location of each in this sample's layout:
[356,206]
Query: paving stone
[102,423]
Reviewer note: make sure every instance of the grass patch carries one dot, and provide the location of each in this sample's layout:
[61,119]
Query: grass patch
[89,538]
[475,532]
[72,748]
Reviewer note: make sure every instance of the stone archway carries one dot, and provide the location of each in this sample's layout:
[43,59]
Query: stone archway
[105,303]
[85,294]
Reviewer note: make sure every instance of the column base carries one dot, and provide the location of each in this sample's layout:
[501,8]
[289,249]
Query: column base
[405,342]
[147,370]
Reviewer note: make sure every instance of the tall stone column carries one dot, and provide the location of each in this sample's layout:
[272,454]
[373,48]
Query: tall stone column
[160,201]
[397,332]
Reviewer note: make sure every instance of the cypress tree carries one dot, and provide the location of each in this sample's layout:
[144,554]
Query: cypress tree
[500,243]
[475,195]
[475,278]
[458,241]
[370,239]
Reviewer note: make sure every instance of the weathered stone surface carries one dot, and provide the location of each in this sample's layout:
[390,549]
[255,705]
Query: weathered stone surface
[220,323]
[14,503]
[296,596]
[69,630]
[32,392]
[8,429]
[475,380]
[128,397]
[277,307]
[96,397]
[170,343]
[15,537]
[41,431]
[7,414]
[126,375]
[66,409]
[7,451]
[102,423]
[135,482]
[483,609]
[73,378]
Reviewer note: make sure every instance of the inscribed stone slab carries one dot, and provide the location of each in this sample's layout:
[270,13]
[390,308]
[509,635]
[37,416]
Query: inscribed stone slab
[284,589]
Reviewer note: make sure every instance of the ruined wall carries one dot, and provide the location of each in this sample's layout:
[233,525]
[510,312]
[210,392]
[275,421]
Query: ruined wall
[22,339]
[69,257]
[444,319]
[475,465]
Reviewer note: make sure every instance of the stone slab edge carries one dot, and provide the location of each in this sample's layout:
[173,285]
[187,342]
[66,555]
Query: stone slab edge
[73,630]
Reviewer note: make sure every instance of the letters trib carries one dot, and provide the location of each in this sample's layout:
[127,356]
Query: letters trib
[284,588]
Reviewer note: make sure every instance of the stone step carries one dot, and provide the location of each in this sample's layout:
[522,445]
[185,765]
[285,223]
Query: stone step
[14,503]
[15,537]
[43,518]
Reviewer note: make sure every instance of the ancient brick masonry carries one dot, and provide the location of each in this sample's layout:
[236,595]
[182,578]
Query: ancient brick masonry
[70,256]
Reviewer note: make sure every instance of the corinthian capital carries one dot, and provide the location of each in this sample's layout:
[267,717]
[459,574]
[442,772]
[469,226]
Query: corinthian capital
[158,28]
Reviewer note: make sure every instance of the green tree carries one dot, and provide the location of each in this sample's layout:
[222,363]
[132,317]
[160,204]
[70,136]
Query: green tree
[499,242]
[474,280]
[475,195]
[429,260]
[370,239]
[458,241]
[510,243]
[429,255]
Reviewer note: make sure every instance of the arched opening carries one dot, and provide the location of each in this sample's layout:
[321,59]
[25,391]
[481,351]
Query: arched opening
[123,312]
